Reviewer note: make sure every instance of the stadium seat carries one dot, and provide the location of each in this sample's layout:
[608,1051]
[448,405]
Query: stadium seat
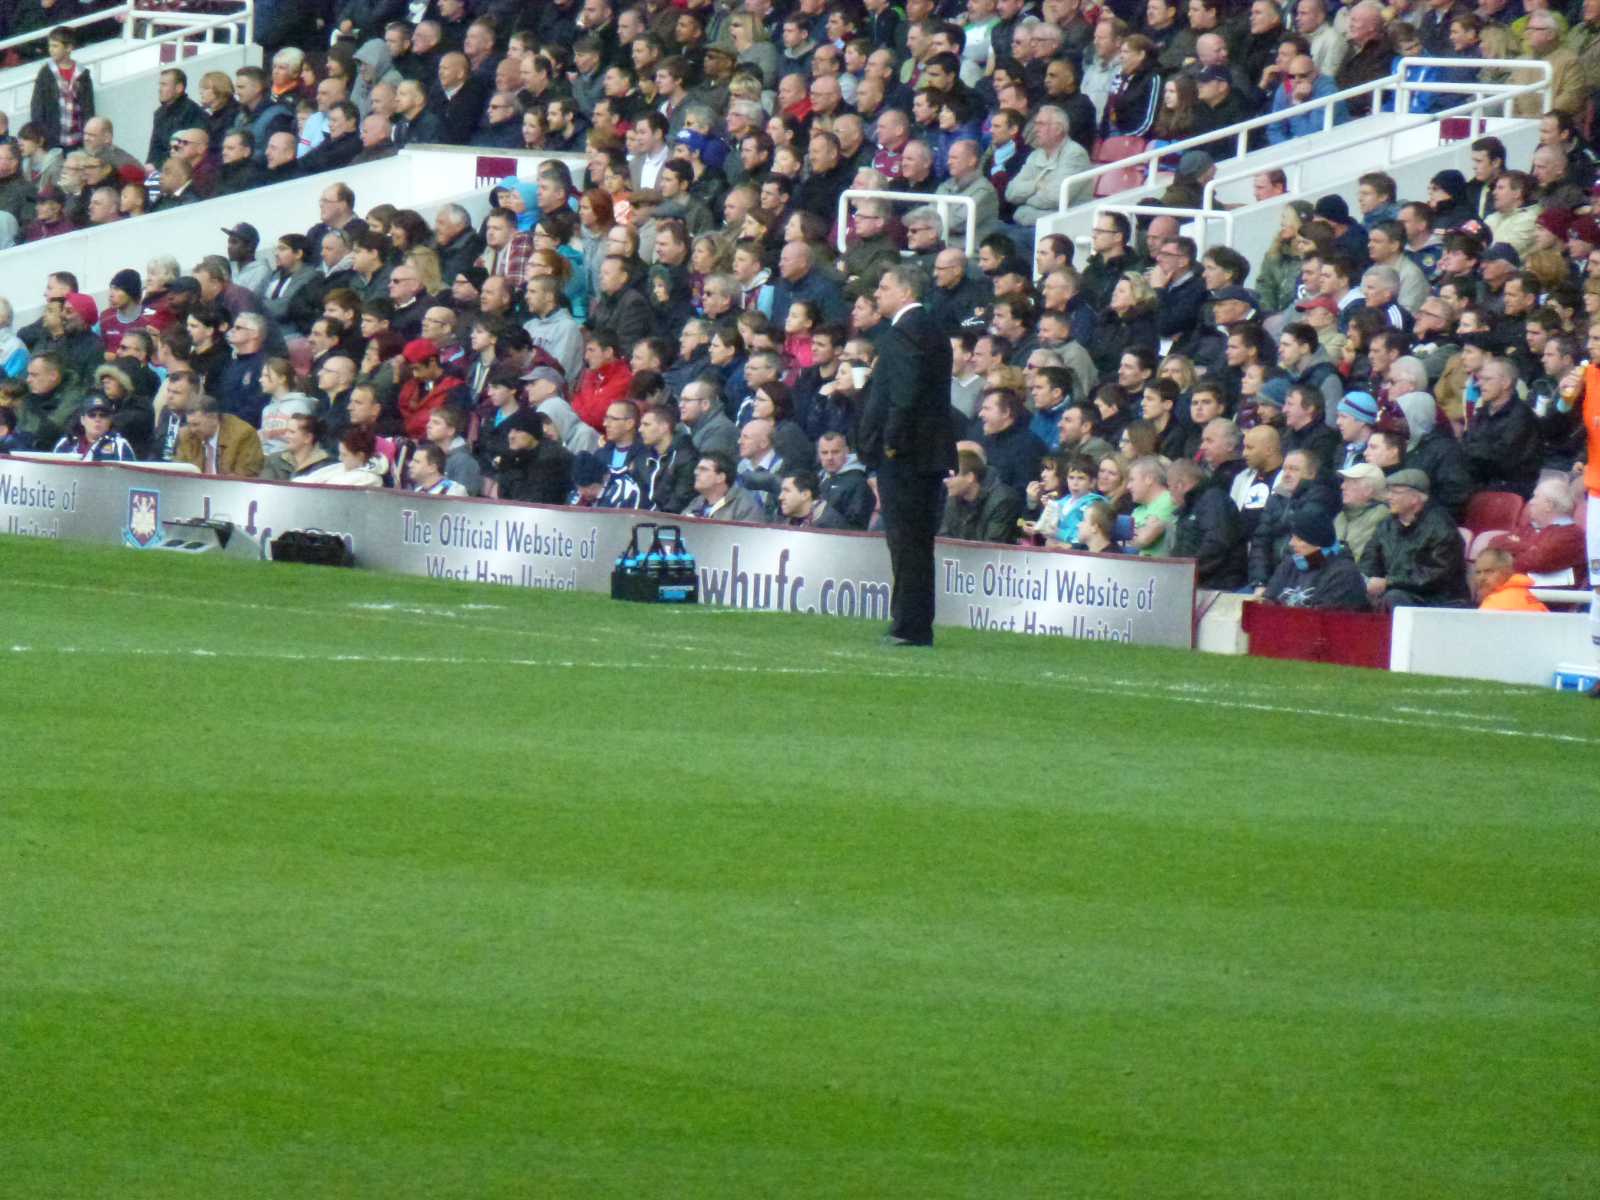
[1115,182]
[1493,510]
[1458,129]
[1115,149]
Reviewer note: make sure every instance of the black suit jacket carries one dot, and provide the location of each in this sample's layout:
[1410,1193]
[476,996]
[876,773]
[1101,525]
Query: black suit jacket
[908,403]
[461,113]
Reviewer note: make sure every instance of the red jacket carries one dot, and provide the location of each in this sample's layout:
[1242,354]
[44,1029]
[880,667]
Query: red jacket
[418,400]
[597,388]
[1553,548]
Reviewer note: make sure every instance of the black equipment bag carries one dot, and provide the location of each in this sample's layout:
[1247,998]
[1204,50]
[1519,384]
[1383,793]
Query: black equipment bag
[312,546]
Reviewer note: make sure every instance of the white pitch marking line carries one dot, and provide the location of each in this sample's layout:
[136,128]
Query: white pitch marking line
[1105,687]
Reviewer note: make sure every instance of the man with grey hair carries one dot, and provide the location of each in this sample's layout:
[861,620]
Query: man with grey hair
[239,385]
[874,249]
[1549,543]
[907,435]
[1036,190]
[1502,443]
[963,178]
[103,206]
[924,236]
[457,244]
[1380,291]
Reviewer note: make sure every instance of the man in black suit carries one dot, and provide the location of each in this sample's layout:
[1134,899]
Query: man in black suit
[908,436]
[461,98]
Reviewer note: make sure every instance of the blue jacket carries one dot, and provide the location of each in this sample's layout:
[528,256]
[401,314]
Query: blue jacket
[814,287]
[1305,123]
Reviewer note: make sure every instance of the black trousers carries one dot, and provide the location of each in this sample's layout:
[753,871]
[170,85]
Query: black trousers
[912,503]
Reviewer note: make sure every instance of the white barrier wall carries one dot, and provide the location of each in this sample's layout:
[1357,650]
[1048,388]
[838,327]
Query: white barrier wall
[1505,646]
[1110,598]
[420,179]
[126,76]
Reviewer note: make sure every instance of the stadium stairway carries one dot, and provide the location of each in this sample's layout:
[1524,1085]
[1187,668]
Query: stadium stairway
[126,69]
[1411,147]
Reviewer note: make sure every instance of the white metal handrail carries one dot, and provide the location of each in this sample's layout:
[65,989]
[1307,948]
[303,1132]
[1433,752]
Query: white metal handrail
[1487,93]
[131,16]
[912,198]
[1299,159]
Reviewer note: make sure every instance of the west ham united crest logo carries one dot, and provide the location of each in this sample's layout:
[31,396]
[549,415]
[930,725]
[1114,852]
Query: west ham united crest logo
[144,518]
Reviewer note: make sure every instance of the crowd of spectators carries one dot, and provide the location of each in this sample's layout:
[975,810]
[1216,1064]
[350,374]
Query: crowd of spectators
[671,326]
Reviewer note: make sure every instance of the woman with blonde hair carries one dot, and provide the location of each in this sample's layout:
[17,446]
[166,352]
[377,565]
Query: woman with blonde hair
[216,97]
[1111,481]
[425,261]
[751,45]
[1279,272]
[1129,320]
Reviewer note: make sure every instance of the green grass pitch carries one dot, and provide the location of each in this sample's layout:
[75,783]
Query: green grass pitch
[320,883]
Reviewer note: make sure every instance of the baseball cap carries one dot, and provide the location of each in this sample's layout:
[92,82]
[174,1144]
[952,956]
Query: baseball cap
[1412,478]
[420,350]
[245,232]
[94,402]
[1234,292]
[1194,162]
[1213,75]
[1501,252]
[1367,473]
[1327,302]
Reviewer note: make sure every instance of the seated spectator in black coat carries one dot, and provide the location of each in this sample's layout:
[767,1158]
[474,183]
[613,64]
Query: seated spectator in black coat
[1502,445]
[1180,291]
[536,467]
[1012,450]
[1415,556]
[1300,485]
[1317,572]
[1305,427]
[1208,527]
[979,506]
[342,144]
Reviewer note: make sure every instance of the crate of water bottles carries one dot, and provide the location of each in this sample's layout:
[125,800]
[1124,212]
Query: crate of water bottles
[655,567]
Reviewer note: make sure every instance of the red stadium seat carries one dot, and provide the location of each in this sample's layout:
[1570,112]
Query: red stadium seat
[1115,149]
[1120,180]
[1493,510]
